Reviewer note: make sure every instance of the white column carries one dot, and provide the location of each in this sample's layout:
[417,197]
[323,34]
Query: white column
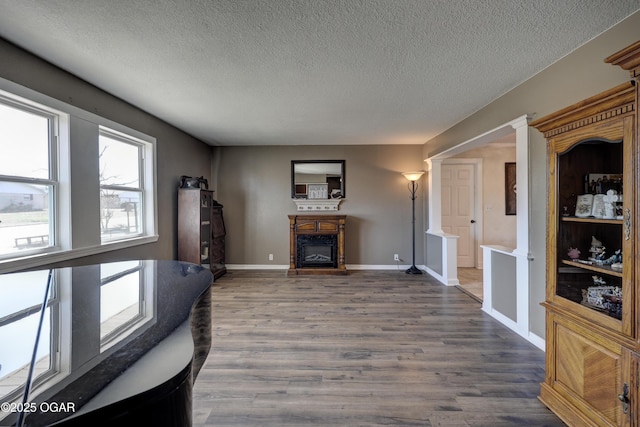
[522,186]
[434,177]
[522,224]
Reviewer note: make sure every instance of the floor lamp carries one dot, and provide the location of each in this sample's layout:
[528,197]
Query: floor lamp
[413,187]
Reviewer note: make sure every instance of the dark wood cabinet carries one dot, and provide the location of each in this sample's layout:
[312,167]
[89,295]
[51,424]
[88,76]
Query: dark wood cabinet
[592,338]
[218,234]
[201,230]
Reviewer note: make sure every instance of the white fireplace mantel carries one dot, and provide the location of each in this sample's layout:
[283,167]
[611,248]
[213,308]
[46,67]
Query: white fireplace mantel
[317,204]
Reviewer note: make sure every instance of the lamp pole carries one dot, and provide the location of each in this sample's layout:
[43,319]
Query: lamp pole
[413,187]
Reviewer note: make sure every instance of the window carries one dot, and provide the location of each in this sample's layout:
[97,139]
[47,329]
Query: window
[45,215]
[126,300]
[22,297]
[121,186]
[28,179]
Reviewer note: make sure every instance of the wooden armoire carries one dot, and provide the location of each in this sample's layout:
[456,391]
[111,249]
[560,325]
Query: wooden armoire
[201,230]
[592,298]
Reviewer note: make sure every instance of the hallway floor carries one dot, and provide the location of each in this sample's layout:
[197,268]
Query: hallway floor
[471,282]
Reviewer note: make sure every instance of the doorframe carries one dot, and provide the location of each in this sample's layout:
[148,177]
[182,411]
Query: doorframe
[519,127]
[522,251]
[478,233]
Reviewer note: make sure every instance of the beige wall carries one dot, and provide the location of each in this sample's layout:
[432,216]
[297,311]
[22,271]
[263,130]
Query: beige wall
[254,185]
[498,228]
[177,153]
[575,77]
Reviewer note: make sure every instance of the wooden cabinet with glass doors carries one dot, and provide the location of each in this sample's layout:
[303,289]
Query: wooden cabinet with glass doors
[591,296]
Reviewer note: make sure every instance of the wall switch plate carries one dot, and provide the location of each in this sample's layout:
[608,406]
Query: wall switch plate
[396,257]
[270,257]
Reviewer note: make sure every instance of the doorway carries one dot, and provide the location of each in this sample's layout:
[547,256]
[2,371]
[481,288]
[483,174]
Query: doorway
[446,270]
[458,209]
[461,183]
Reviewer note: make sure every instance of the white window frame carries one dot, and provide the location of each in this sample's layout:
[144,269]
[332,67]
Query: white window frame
[52,181]
[75,239]
[55,371]
[140,188]
[146,305]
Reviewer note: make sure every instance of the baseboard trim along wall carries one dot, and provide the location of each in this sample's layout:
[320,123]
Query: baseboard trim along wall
[256,267]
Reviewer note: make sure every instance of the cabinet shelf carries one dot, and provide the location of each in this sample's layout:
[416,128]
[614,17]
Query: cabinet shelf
[591,220]
[603,269]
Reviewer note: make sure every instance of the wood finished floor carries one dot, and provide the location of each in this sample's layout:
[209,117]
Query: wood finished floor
[368,349]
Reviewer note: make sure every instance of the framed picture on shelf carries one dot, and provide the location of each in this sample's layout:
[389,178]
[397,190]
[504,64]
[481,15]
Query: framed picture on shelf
[510,188]
[600,183]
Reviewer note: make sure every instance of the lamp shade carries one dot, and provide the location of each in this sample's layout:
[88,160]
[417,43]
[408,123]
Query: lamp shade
[413,176]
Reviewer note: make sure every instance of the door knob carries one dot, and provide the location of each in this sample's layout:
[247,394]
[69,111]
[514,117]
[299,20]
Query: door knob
[473,221]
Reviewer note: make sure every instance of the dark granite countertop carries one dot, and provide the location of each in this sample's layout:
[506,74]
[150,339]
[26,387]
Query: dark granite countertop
[98,320]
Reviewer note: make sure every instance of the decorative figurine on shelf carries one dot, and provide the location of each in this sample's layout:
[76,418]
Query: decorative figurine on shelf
[616,260]
[603,296]
[610,201]
[595,245]
[191,182]
[599,257]
[574,253]
[597,250]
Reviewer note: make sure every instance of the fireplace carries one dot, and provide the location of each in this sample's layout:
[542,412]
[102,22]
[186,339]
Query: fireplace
[317,251]
[317,244]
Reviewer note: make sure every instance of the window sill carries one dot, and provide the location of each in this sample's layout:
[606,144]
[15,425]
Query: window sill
[41,259]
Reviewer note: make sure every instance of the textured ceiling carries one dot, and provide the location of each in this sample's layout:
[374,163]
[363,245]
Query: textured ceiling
[277,72]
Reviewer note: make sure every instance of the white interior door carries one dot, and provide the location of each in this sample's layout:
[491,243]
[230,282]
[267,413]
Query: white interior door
[458,202]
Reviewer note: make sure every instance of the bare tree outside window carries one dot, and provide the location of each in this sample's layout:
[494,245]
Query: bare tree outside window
[120,188]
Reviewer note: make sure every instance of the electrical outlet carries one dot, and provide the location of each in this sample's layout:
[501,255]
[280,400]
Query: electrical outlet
[270,257]
[396,257]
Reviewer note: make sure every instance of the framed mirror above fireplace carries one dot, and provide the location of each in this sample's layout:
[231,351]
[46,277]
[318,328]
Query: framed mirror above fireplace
[317,179]
[317,184]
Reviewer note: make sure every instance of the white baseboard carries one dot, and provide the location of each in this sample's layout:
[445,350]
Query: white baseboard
[537,341]
[399,267]
[440,278]
[529,336]
[256,267]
